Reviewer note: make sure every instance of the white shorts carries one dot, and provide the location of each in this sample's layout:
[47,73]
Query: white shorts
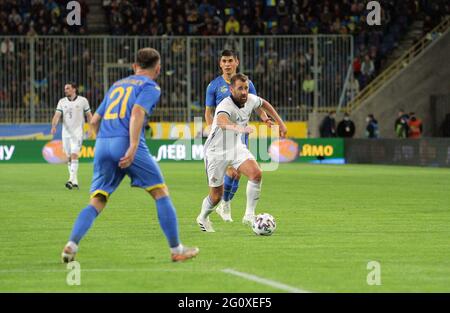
[217,164]
[72,145]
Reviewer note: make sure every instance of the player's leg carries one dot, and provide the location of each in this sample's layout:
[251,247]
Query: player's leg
[145,173]
[82,224]
[75,148]
[107,177]
[251,169]
[230,186]
[169,223]
[208,204]
[66,149]
[216,167]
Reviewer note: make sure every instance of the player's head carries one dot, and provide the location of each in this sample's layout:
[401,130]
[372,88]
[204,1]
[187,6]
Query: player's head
[229,62]
[70,89]
[148,60]
[239,88]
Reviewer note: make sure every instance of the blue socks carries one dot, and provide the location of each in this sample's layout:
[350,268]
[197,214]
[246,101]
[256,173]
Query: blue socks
[234,188]
[168,220]
[166,215]
[230,186]
[227,185]
[83,223]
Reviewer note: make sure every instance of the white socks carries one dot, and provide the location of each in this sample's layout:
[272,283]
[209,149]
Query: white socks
[74,172]
[253,192]
[177,250]
[69,167]
[207,207]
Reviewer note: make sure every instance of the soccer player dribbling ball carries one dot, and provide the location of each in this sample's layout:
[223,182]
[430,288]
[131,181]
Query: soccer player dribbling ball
[224,148]
[217,90]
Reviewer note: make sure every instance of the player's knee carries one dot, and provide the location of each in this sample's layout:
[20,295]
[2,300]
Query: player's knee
[256,175]
[234,174]
[215,198]
[99,202]
[159,193]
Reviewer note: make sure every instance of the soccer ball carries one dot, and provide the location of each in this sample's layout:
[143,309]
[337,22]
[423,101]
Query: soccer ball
[264,224]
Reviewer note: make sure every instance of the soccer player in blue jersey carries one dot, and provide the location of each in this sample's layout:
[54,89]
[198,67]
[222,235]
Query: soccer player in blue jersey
[216,91]
[120,150]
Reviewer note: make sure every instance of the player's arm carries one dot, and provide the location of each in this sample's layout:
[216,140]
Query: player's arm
[263,116]
[270,110]
[94,123]
[209,115]
[55,121]
[210,105]
[89,119]
[136,124]
[224,122]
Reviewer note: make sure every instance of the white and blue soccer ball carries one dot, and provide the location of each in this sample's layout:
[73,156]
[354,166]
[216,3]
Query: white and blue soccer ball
[264,224]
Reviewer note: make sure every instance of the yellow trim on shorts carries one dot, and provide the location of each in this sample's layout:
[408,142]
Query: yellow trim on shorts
[99,191]
[155,187]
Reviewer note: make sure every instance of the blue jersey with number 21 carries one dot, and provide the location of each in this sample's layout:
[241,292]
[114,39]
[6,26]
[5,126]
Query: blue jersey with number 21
[113,138]
[119,102]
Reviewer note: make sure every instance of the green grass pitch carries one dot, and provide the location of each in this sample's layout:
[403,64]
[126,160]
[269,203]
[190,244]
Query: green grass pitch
[332,220]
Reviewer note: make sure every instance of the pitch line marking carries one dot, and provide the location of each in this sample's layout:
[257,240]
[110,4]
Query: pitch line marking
[264,281]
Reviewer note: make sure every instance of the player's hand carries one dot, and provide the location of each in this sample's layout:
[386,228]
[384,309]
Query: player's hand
[128,158]
[247,130]
[283,130]
[53,131]
[269,123]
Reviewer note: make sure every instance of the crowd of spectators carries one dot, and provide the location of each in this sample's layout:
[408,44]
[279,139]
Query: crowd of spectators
[290,61]
[39,17]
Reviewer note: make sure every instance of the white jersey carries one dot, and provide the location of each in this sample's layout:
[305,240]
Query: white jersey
[73,113]
[221,140]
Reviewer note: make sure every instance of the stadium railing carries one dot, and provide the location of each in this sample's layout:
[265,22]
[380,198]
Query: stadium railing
[401,63]
[33,71]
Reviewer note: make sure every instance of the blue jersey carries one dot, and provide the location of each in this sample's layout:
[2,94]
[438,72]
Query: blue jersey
[219,89]
[118,103]
[113,138]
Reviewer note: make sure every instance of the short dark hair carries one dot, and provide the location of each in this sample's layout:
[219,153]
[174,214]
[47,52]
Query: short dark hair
[147,58]
[73,85]
[236,77]
[229,53]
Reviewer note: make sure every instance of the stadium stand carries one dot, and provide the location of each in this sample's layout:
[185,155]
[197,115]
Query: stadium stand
[289,61]
[38,17]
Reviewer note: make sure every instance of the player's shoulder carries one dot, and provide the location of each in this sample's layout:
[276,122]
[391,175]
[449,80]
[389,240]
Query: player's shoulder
[151,84]
[254,99]
[215,82]
[225,103]
[81,98]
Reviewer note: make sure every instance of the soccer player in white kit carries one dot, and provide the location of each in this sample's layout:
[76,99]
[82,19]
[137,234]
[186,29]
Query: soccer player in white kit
[224,148]
[73,108]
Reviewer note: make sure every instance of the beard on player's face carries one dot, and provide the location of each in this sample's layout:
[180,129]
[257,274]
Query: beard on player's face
[240,97]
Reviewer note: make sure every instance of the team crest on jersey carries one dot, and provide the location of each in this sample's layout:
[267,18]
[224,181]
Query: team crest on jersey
[224,89]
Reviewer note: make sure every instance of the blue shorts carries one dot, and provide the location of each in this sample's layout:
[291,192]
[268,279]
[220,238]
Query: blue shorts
[144,171]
